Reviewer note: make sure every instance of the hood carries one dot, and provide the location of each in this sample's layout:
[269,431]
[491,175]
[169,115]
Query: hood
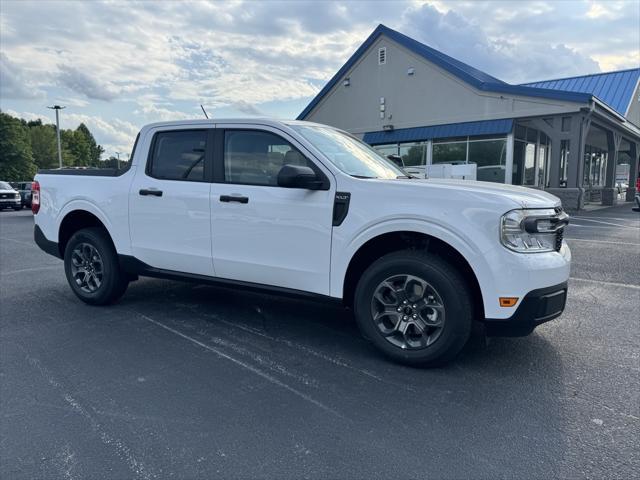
[521,197]
[8,191]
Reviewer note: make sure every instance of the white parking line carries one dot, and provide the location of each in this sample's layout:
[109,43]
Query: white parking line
[600,241]
[612,284]
[571,225]
[35,269]
[606,218]
[584,219]
[251,368]
[17,241]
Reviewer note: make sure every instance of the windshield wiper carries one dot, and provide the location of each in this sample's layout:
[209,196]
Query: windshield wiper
[362,176]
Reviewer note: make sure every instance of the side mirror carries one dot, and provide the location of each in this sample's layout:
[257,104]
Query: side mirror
[296,176]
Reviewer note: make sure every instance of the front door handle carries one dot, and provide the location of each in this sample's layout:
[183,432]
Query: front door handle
[234,198]
[151,191]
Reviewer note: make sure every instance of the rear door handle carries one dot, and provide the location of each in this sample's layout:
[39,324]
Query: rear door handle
[234,198]
[151,191]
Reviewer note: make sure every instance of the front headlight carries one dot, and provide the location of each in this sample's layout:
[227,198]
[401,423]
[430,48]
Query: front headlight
[17,196]
[533,231]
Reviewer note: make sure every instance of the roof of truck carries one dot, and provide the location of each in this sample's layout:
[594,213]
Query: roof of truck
[214,121]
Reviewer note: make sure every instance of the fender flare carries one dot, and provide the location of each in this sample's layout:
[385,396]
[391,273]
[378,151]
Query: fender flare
[467,249]
[81,205]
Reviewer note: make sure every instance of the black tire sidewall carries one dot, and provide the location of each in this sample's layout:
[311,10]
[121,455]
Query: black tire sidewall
[112,276]
[449,285]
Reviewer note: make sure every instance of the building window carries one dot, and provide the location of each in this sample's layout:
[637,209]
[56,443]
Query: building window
[490,156]
[384,150]
[543,160]
[595,165]
[413,154]
[564,162]
[524,163]
[452,152]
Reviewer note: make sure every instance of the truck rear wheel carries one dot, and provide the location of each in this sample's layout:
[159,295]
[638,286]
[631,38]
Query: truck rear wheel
[92,268]
[414,307]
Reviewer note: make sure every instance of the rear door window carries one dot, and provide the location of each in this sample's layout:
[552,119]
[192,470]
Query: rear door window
[179,155]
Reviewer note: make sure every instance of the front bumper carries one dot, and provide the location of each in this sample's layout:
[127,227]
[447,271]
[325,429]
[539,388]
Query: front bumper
[10,203]
[537,307]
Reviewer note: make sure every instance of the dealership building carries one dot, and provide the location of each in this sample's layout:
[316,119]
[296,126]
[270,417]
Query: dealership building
[578,137]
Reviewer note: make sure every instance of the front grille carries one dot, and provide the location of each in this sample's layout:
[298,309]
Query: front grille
[559,235]
[4,195]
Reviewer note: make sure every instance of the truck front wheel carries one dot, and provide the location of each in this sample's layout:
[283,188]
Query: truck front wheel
[414,307]
[92,269]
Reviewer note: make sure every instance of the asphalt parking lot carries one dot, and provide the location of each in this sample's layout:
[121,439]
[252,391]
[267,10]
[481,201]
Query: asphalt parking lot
[187,381]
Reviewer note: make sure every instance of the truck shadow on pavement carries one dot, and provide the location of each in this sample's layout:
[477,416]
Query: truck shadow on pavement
[497,403]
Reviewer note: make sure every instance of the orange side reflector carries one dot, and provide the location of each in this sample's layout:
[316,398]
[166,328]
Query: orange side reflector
[508,301]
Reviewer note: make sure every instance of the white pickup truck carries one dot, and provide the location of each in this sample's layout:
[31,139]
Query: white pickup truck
[300,208]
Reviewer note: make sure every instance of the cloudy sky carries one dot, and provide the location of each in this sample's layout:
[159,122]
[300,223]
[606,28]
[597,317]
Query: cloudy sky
[117,66]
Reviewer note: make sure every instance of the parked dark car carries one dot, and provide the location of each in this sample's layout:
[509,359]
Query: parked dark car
[9,198]
[24,188]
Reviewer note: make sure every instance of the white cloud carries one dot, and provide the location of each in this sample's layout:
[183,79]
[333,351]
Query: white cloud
[510,59]
[15,83]
[148,61]
[151,110]
[80,81]
[29,116]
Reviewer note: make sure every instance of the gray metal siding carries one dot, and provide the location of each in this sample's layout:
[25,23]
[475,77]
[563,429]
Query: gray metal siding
[634,107]
[431,96]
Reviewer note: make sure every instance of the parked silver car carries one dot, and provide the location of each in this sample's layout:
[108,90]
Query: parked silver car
[9,197]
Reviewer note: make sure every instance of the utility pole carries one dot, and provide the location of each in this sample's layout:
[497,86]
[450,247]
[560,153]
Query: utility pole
[118,161]
[57,108]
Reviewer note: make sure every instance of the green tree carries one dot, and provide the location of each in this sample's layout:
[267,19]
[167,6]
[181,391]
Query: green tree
[95,150]
[81,148]
[44,145]
[69,158]
[16,158]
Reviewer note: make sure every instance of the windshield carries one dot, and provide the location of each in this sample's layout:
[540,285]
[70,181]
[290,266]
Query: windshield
[348,153]
[5,186]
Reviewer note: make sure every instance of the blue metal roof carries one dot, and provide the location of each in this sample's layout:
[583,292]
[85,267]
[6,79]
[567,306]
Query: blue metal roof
[484,127]
[467,73]
[613,88]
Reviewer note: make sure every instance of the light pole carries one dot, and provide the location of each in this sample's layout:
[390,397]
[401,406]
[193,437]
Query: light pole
[57,108]
[118,162]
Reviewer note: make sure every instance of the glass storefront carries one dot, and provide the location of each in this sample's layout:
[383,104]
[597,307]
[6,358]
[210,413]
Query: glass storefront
[413,154]
[450,152]
[565,145]
[489,154]
[595,166]
[531,154]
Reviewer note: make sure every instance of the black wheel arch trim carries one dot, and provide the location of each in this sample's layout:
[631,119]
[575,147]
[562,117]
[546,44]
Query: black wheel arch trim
[45,244]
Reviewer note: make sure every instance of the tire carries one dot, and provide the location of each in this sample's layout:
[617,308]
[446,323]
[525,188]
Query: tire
[437,308]
[90,254]
[17,209]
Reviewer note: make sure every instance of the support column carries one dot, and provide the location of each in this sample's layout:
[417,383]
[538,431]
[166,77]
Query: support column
[610,192]
[633,170]
[574,192]
[429,148]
